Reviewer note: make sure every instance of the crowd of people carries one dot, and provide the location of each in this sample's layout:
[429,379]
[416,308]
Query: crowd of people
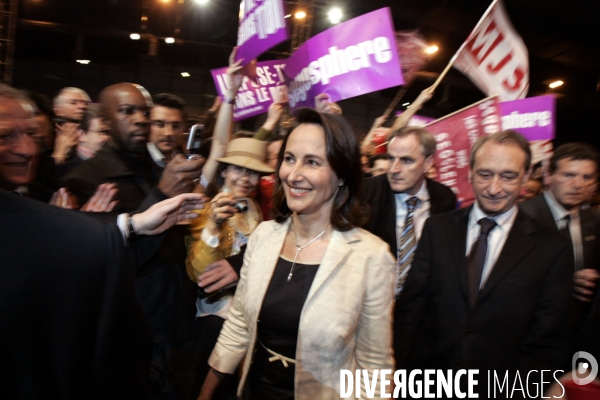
[272,260]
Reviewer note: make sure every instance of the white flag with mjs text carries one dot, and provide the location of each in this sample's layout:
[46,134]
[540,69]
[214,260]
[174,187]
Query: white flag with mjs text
[494,56]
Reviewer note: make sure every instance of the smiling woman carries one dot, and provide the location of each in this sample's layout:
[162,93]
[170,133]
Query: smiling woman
[316,292]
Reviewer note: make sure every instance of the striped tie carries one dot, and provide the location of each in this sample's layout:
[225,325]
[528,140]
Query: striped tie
[407,245]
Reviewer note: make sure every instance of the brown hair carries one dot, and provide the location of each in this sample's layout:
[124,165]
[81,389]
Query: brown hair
[343,156]
[573,151]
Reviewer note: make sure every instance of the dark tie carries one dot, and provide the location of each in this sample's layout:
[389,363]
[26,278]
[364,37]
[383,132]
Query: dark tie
[408,243]
[476,259]
[566,230]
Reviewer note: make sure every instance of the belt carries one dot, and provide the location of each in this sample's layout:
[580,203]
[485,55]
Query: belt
[278,357]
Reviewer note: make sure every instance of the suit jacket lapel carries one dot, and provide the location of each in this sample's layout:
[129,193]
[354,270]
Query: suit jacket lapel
[544,212]
[340,247]
[589,229]
[517,245]
[388,216]
[458,246]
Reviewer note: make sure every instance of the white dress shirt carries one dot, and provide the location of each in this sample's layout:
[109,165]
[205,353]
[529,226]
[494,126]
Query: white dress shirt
[156,154]
[560,213]
[496,238]
[420,214]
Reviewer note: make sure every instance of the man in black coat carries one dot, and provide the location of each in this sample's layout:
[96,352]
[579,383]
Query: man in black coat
[490,287]
[411,152]
[167,296]
[571,177]
[71,325]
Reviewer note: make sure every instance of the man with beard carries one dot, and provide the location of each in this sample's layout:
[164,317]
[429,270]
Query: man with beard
[162,287]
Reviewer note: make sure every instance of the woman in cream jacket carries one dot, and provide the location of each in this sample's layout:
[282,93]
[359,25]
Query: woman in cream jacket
[310,278]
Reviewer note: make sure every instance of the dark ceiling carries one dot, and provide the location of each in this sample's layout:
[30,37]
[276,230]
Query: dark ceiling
[561,37]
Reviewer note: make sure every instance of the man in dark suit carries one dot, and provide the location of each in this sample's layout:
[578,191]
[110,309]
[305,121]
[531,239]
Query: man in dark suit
[72,327]
[571,178]
[490,287]
[411,153]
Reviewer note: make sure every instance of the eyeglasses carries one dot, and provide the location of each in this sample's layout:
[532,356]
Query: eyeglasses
[506,178]
[243,171]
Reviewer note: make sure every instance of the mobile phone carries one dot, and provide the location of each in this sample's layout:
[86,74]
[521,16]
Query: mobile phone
[195,139]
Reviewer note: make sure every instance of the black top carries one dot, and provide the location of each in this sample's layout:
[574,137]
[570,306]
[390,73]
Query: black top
[279,317]
[278,325]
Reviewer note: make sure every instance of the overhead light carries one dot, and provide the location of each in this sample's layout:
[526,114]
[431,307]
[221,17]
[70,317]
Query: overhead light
[166,1]
[405,104]
[300,15]
[83,61]
[335,15]
[287,16]
[169,40]
[555,84]
[185,74]
[431,49]
[135,36]
[201,2]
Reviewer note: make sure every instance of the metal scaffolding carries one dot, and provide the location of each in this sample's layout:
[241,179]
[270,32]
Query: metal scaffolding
[8,26]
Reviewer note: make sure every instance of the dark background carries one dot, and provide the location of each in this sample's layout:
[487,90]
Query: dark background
[561,37]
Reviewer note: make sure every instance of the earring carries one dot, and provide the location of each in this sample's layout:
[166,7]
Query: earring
[341,183]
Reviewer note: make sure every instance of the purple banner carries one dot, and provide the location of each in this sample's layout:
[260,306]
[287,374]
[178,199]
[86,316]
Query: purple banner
[262,26]
[533,117]
[355,57]
[254,98]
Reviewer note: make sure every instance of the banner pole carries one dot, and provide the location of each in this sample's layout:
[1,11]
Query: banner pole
[396,100]
[455,56]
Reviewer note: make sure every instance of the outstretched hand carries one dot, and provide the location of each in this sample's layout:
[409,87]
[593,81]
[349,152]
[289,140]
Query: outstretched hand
[64,199]
[102,200]
[162,216]
[218,275]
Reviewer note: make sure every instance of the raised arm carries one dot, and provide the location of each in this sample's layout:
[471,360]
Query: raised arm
[224,125]
[402,120]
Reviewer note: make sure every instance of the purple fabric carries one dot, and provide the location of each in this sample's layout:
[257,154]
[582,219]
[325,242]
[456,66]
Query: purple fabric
[254,98]
[533,117]
[353,58]
[262,27]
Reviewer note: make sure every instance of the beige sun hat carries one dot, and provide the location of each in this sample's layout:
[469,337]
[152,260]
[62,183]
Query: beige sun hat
[248,153]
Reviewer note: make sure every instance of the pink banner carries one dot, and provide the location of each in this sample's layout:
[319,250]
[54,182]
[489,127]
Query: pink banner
[455,135]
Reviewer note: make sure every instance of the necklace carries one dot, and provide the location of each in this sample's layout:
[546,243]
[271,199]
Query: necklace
[299,248]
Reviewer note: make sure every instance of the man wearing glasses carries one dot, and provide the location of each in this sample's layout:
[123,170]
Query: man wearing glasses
[489,288]
[167,119]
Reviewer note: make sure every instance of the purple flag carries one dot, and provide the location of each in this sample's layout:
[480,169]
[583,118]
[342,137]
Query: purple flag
[355,57]
[262,26]
[254,98]
[533,117]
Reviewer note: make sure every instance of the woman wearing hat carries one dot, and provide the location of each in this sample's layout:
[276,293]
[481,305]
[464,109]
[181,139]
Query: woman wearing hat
[316,292]
[223,228]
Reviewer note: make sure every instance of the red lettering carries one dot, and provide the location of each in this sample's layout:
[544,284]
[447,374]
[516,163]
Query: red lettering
[500,65]
[484,40]
[519,74]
